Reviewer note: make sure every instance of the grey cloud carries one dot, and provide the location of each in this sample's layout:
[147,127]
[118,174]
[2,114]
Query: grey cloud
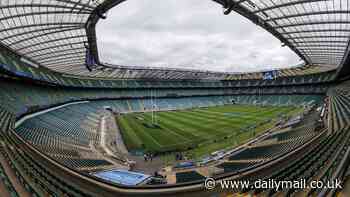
[187,34]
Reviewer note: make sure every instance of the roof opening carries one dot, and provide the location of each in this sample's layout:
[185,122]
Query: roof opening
[188,34]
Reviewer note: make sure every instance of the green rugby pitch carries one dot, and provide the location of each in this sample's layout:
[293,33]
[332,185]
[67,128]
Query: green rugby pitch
[198,131]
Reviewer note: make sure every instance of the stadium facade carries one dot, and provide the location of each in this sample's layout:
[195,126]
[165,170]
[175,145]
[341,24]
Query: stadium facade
[54,91]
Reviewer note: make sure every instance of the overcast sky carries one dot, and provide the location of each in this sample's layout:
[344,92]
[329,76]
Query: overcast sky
[187,34]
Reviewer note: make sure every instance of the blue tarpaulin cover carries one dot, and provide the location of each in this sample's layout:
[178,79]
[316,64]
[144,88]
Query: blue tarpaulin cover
[123,177]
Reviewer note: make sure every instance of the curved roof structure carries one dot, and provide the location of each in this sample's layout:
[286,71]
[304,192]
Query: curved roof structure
[51,33]
[317,30]
[57,34]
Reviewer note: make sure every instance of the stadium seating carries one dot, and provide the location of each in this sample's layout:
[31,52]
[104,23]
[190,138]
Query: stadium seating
[268,151]
[20,99]
[314,164]
[11,63]
[183,177]
[66,134]
[33,176]
[22,166]
[235,166]
[302,131]
[271,146]
[5,181]
[54,92]
[339,112]
[48,137]
[85,163]
[52,131]
[7,120]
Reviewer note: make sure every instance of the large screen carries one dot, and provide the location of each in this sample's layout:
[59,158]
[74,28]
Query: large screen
[270,75]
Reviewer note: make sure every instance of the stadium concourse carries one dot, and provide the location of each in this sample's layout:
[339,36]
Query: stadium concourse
[71,125]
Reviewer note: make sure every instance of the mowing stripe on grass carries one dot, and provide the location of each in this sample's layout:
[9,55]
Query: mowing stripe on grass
[128,134]
[167,128]
[139,130]
[222,116]
[194,126]
[175,126]
[164,138]
[213,122]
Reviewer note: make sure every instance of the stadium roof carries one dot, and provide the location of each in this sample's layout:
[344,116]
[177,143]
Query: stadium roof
[57,33]
[317,30]
[51,33]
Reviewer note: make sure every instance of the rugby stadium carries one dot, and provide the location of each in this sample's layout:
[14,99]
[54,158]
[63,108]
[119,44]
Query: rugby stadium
[72,125]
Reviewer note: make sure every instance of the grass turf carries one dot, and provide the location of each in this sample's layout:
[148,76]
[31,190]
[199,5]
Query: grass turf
[198,131]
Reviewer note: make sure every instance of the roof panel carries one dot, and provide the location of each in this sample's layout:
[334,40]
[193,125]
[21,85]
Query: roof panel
[302,24]
[38,29]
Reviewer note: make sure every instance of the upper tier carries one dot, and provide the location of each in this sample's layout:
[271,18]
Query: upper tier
[13,65]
